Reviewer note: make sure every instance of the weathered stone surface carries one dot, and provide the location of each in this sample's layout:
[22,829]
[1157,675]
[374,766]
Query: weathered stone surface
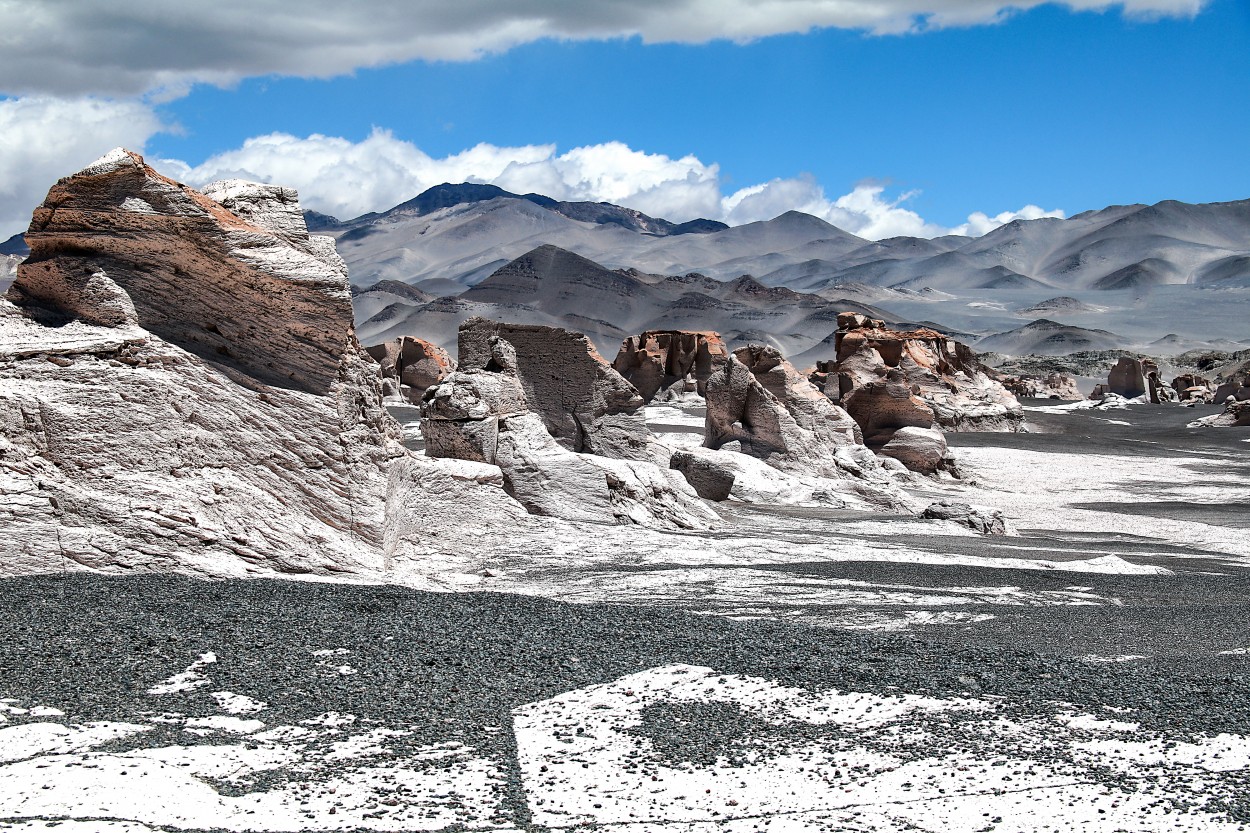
[1239,391]
[982,519]
[883,407]
[919,449]
[409,365]
[710,479]
[118,243]
[669,364]
[1236,414]
[1051,386]
[482,415]
[1127,378]
[585,404]
[760,406]
[944,374]
[122,450]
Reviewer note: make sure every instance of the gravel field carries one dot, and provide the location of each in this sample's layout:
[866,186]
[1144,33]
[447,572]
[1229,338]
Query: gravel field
[456,668]
[832,670]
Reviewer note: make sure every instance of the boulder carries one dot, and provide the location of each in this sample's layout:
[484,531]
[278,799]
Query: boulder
[921,450]
[710,478]
[181,390]
[1238,390]
[584,403]
[982,519]
[668,364]
[760,406]
[409,365]
[942,373]
[1127,378]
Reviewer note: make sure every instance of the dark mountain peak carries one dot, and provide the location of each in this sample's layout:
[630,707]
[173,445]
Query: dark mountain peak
[316,221]
[15,245]
[448,195]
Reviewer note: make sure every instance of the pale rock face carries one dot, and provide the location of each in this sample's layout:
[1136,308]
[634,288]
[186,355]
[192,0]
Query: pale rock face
[409,366]
[921,450]
[667,365]
[483,415]
[118,243]
[941,372]
[585,404]
[123,449]
[1051,386]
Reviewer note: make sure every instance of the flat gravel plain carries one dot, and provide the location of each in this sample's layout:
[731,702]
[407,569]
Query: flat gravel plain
[455,666]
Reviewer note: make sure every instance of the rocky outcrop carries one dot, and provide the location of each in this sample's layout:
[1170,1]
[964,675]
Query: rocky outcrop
[118,244]
[1236,414]
[758,405]
[665,365]
[584,403]
[883,407]
[940,372]
[409,365]
[482,414]
[200,404]
[981,519]
[1128,377]
[1051,386]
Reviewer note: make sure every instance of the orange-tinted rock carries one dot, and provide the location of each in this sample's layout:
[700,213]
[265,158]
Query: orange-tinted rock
[410,365]
[666,364]
[941,373]
[117,243]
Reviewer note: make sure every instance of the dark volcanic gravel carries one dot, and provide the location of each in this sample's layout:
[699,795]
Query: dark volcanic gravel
[452,667]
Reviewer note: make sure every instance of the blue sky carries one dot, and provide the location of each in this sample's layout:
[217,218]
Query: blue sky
[1059,109]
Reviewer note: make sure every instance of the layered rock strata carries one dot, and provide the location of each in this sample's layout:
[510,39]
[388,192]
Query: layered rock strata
[585,404]
[667,365]
[409,365]
[158,425]
[940,372]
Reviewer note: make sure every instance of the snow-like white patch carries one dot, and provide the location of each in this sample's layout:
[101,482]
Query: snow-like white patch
[187,680]
[30,739]
[138,206]
[233,703]
[669,415]
[224,723]
[1235,652]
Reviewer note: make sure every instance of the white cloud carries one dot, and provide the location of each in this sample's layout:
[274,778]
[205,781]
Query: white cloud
[347,179]
[78,47]
[43,139]
[979,223]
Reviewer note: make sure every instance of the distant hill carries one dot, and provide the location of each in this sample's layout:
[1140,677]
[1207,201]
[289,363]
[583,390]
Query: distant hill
[550,285]
[1049,338]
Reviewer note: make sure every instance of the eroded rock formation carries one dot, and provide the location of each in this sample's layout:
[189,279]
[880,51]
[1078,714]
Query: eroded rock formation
[584,403]
[666,365]
[409,365]
[201,403]
[939,372]
[481,413]
[758,405]
[1053,385]
[1236,414]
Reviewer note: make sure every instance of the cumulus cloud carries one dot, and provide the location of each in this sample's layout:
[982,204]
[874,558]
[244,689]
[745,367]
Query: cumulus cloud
[43,139]
[347,179]
[78,47]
